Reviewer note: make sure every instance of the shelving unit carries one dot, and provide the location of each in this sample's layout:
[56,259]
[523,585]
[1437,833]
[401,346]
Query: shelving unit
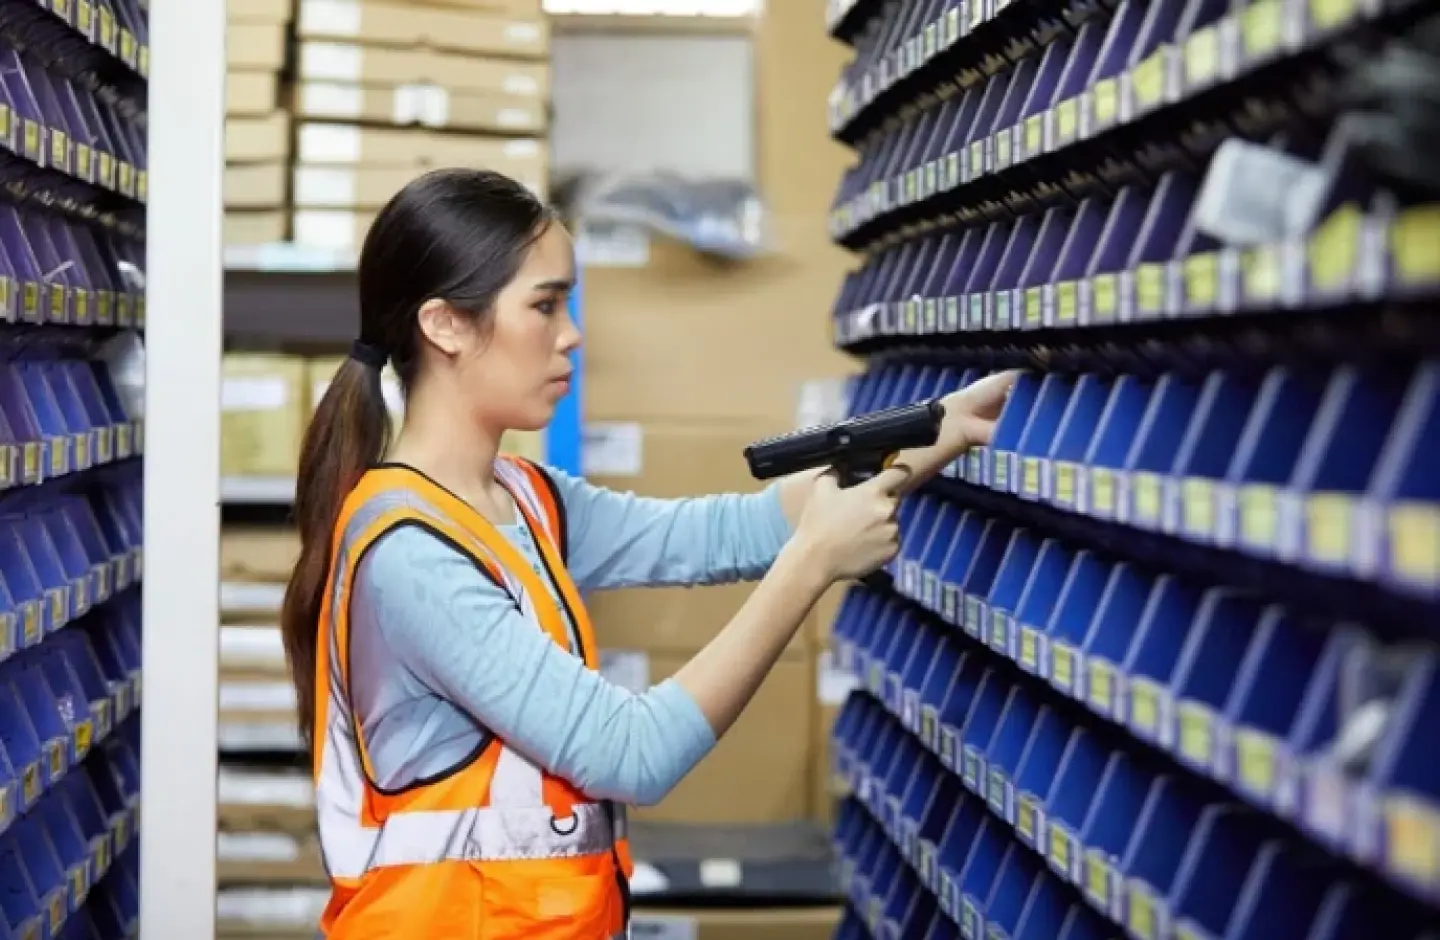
[77,440]
[1160,660]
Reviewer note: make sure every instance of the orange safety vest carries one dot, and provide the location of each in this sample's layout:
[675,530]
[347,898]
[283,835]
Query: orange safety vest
[495,848]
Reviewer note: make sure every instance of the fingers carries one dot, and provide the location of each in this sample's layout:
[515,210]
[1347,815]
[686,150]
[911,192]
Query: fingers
[890,480]
[988,394]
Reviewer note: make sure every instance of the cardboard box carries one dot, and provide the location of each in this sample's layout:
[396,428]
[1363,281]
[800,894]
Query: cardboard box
[371,187]
[256,186]
[351,64]
[259,11]
[258,553]
[251,94]
[424,105]
[255,46]
[685,338]
[263,414]
[738,924]
[255,228]
[377,148]
[257,139]
[375,22]
[525,9]
[265,799]
[773,733]
[268,858]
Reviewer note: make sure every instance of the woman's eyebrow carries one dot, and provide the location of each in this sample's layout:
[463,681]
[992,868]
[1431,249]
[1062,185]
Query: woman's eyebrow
[558,284]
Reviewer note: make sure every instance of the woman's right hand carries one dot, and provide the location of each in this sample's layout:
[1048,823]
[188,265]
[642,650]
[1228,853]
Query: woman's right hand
[852,531]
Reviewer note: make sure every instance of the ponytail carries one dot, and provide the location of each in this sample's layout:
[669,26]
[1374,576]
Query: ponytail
[349,432]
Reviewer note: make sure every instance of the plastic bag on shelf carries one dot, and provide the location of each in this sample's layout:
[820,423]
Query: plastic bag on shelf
[721,217]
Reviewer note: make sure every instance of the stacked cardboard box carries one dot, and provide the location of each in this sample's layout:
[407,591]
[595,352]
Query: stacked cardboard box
[387,89]
[257,128]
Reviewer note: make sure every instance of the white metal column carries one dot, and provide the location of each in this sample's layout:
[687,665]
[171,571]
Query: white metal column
[182,469]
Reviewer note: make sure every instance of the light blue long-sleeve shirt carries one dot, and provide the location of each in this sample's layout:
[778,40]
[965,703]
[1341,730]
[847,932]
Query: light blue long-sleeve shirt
[439,653]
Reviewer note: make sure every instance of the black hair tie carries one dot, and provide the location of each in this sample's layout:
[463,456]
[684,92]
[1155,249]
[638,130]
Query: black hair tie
[372,357]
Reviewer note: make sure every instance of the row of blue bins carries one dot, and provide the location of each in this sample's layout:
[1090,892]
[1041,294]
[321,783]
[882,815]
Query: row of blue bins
[1327,469]
[55,115]
[54,269]
[73,163]
[1105,71]
[69,868]
[1131,257]
[1012,803]
[59,415]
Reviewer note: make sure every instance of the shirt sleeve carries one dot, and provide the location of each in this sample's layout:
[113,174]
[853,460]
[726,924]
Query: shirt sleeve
[621,540]
[459,635]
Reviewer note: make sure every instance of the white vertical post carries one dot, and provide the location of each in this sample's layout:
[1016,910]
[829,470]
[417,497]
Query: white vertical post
[182,469]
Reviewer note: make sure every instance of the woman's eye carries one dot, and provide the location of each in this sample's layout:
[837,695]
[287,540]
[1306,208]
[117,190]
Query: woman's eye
[546,307]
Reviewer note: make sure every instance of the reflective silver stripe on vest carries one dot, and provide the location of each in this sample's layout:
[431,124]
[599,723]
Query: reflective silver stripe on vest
[490,834]
[516,825]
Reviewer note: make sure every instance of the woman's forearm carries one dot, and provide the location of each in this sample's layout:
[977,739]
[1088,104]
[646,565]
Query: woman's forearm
[724,676]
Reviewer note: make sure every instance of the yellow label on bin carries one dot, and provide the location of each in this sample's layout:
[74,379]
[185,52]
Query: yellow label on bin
[59,147]
[1105,94]
[1034,134]
[57,909]
[1259,515]
[1102,490]
[1148,78]
[1144,707]
[55,751]
[59,609]
[1329,14]
[1030,648]
[1030,478]
[1101,690]
[1198,502]
[58,466]
[1067,302]
[1262,28]
[1412,839]
[1415,541]
[1334,249]
[30,301]
[1034,306]
[84,737]
[1064,483]
[1104,296]
[30,783]
[1414,233]
[1202,56]
[1147,491]
[1059,848]
[30,461]
[1062,665]
[1025,817]
[1097,880]
[33,631]
[1329,526]
[1255,761]
[1197,733]
[1067,120]
[1150,289]
[1202,280]
[999,629]
[1260,272]
[32,138]
[1141,918]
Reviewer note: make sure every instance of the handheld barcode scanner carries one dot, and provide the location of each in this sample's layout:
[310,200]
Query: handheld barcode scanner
[856,449]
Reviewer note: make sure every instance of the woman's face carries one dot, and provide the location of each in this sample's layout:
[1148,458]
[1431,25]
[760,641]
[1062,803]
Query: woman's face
[513,367]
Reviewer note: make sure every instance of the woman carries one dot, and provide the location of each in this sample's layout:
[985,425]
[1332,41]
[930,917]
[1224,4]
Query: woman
[470,763]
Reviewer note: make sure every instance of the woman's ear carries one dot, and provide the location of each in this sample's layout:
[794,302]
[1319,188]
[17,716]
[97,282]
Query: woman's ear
[443,327]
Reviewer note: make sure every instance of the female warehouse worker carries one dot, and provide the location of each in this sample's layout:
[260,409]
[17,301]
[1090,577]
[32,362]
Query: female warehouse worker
[470,763]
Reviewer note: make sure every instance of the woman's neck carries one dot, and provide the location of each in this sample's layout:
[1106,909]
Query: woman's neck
[456,453]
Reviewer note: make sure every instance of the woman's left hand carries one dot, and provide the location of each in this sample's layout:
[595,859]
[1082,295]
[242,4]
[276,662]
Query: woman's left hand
[976,407]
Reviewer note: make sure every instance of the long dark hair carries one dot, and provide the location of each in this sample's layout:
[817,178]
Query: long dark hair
[454,235]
